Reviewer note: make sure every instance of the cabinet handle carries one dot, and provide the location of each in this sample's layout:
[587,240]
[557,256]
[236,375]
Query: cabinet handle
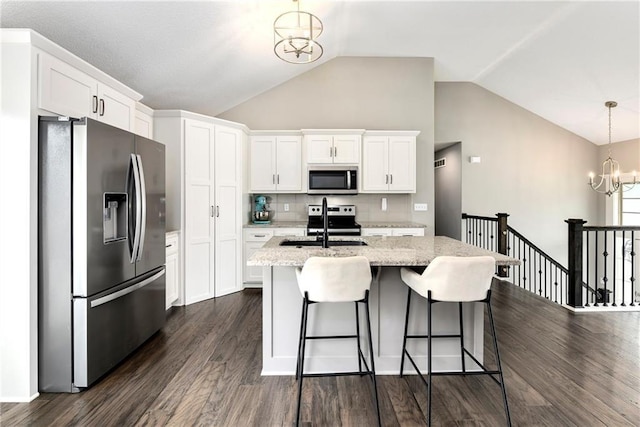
[330,151]
[391,179]
[211,213]
[95,104]
[386,179]
[273,178]
[259,235]
[101,107]
[217,211]
[335,151]
[278,179]
[168,246]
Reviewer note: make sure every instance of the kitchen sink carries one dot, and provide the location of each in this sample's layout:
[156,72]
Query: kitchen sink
[318,243]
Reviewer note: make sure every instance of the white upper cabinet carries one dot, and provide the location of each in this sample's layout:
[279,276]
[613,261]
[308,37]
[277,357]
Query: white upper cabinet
[67,91]
[144,121]
[389,162]
[319,148]
[276,163]
[333,146]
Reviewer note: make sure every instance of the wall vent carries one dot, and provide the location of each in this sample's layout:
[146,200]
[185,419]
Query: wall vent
[440,163]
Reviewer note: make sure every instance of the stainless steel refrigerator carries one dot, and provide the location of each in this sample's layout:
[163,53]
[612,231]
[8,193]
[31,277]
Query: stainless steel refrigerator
[101,248]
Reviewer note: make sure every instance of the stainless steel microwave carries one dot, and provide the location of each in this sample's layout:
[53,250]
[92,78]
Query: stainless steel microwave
[333,180]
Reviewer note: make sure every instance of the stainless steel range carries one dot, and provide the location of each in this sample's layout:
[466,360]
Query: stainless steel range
[342,221]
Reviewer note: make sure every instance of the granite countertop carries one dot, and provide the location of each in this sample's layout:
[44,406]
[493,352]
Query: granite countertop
[365,224]
[381,251]
[279,224]
[396,224]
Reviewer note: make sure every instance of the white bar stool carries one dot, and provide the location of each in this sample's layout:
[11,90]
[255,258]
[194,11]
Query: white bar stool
[453,279]
[343,279]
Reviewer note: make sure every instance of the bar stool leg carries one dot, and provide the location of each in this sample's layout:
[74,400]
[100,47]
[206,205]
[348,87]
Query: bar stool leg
[373,369]
[406,326]
[302,323]
[429,356]
[358,337]
[303,339]
[461,337]
[495,348]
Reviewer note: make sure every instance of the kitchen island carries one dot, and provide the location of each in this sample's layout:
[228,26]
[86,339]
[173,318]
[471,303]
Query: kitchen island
[282,304]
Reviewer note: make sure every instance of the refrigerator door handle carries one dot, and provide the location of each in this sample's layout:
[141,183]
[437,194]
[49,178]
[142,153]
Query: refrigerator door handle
[143,200]
[108,298]
[136,238]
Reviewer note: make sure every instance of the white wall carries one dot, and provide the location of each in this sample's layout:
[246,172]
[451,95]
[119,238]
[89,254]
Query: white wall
[531,169]
[356,93]
[18,226]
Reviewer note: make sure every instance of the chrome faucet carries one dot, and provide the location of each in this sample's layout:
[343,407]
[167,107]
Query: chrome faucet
[325,223]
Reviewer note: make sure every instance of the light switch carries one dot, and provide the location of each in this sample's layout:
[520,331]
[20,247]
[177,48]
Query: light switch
[384,204]
[419,206]
[286,207]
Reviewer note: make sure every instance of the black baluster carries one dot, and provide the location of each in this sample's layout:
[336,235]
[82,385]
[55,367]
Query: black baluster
[605,279]
[539,275]
[555,284]
[615,270]
[633,265]
[586,304]
[624,261]
[595,264]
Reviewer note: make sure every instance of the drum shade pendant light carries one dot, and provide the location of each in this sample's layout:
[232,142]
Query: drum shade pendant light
[610,178]
[294,36]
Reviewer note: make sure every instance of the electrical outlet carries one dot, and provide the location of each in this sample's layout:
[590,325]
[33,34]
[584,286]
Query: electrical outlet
[419,206]
[286,207]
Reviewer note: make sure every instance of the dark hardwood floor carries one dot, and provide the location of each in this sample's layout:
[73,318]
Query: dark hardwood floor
[204,369]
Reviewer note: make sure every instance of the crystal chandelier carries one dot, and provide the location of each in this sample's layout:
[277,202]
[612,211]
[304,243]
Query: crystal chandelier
[294,37]
[610,178]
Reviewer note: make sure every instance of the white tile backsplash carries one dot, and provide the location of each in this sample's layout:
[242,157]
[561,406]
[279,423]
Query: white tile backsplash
[368,206]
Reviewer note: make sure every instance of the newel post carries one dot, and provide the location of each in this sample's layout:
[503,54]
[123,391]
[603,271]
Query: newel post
[503,244]
[576,228]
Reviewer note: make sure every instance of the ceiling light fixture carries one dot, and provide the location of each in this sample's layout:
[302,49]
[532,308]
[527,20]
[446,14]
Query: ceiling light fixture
[610,177]
[294,37]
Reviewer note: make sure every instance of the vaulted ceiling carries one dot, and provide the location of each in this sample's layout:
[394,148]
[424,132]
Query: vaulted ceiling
[560,60]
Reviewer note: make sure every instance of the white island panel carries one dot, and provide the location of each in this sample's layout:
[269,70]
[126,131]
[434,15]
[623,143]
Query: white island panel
[282,305]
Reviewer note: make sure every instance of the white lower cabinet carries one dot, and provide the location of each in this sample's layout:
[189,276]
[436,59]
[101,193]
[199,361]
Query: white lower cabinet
[289,232]
[172,269]
[376,232]
[407,231]
[255,239]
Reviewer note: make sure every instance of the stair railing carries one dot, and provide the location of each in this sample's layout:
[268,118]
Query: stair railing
[606,259]
[602,262]
[538,272]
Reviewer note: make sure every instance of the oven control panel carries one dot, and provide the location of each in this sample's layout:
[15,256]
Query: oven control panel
[333,210]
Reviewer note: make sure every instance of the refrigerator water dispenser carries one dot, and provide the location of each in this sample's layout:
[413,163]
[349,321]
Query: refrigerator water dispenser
[114,221]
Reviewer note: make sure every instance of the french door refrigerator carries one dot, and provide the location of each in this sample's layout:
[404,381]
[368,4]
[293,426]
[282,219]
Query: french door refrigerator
[101,248]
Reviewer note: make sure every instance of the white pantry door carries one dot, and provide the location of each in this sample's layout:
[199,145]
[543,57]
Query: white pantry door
[199,210]
[228,228]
